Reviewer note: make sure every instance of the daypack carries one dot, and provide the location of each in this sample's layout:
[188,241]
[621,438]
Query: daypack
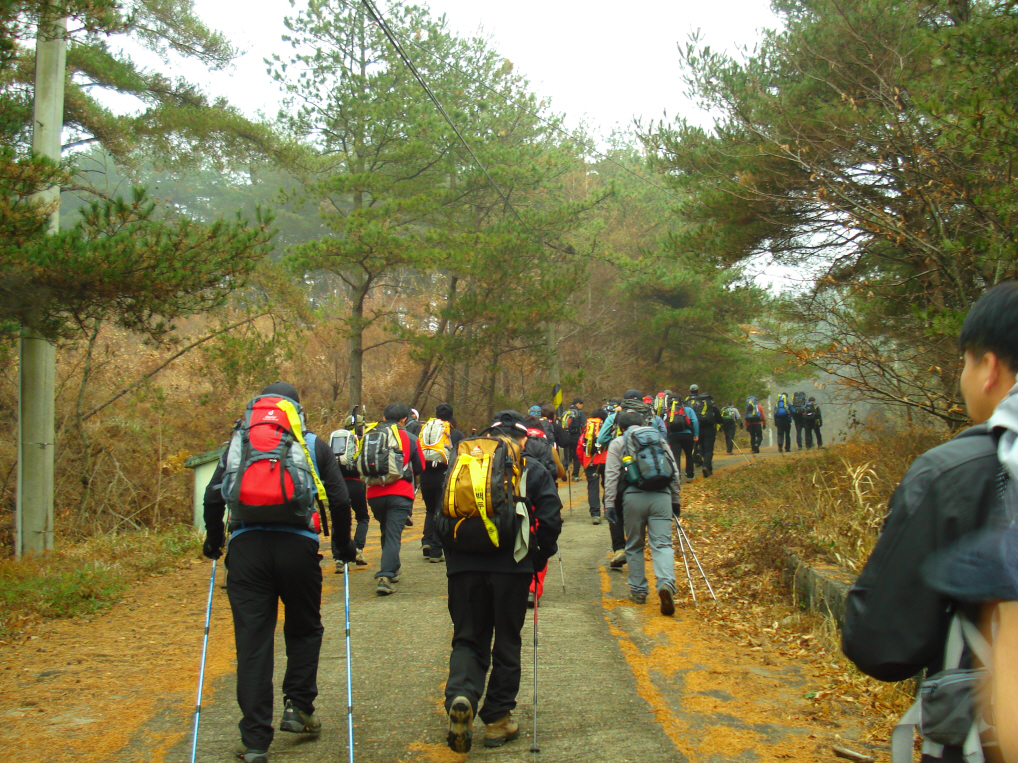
[728,413]
[590,446]
[809,411]
[703,407]
[484,493]
[646,463]
[661,403]
[678,419]
[380,460]
[781,410]
[752,415]
[571,421]
[798,401]
[949,712]
[344,444]
[436,442]
[270,475]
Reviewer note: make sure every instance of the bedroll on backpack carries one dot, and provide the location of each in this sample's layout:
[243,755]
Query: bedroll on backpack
[380,460]
[647,466]
[436,442]
[269,476]
[479,500]
[344,444]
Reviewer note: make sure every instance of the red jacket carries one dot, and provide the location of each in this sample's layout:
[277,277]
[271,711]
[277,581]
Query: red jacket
[413,456]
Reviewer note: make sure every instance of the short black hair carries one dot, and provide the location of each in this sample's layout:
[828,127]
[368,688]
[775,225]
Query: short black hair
[628,419]
[992,325]
[548,411]
[396,411]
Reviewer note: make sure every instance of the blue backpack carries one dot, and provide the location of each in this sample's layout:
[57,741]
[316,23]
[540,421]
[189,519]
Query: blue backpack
[782,410]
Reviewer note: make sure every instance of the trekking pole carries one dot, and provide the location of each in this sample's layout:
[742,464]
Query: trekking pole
[533,747]
[201,670]
[562,572]
[682,548]
[349,672]
[695,559]
[569,491]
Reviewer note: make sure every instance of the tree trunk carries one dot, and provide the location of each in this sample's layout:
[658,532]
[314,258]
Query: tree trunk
[357,347]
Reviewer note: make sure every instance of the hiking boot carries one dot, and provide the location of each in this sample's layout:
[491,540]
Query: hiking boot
[395,578]
[706,474]
[667,601]
[361,561]
[426,550]
[639,598]
[595,520]
[249,755]
[690,476]
[461,722]
[618,559]
[505,729]
[530,600]
[384,586]
[437,559]
[297,721]
[340,567]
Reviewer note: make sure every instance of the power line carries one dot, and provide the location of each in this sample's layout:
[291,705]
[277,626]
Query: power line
[535,115]
[438,104]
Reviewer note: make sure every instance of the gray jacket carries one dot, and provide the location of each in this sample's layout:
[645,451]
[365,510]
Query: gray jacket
[613,472]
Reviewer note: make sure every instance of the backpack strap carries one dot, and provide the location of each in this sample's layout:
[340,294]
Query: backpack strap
[295,425]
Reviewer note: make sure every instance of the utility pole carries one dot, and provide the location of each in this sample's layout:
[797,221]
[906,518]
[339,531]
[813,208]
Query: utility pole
[36,394]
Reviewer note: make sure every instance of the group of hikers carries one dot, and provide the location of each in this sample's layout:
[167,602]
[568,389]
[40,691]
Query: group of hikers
[493,516]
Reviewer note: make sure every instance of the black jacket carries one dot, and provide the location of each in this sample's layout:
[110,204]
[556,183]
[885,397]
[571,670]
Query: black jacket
[332,481]
[546,524]
[896,625]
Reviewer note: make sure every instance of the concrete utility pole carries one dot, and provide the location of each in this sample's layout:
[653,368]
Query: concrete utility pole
[34,518]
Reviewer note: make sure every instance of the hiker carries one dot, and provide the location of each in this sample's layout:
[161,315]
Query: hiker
[389,460]
[683,430]
[895,624]
[756,423]
[798,404]
[592,456]
[812,420]
[344,443]
[708,417]
[273,556]
[730,417]
[641,468]
[438,441]
[574,424]
[783,423]
[488,591]
[542,449]
[413,423]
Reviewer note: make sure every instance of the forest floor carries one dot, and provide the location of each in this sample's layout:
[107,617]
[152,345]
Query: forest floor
[746,680]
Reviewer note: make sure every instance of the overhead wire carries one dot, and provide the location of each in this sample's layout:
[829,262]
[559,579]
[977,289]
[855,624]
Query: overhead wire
[588,146]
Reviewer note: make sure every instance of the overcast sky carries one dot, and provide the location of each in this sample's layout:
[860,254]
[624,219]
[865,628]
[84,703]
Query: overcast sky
[599,62]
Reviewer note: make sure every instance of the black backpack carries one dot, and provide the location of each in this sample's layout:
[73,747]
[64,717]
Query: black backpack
[798,402]
[810,411]
[571,421]
[703,407]
[646,461]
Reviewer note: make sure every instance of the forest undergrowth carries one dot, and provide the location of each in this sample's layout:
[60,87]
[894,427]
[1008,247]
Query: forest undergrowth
[827,506]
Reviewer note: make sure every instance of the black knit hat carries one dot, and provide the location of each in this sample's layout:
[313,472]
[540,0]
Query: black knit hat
[578,401]
[283,390]
[633,394]
[444,411]
[510,422]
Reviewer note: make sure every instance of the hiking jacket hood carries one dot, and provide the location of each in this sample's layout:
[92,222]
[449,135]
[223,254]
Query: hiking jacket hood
[895,624]
[1004,422]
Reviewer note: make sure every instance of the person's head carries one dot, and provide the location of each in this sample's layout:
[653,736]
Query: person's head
[633,394]
[510,424]
[443,411]
[600,413]
[414,414]
[578,402]
[668,393]
[548,411]
[989,343]
[812,399]
[694,389]
[283,390]
[629,419]
[397,412]
[731,404]
[535,410]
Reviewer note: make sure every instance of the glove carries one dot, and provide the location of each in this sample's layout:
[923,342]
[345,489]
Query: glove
[611,516]
[676,510]
[215,538]
[345,553]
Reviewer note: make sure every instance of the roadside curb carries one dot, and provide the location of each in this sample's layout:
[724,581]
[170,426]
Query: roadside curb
[821,588]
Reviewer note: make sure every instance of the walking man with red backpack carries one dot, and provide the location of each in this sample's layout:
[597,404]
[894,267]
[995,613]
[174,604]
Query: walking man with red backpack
[390,458]
[273,556]
[488,584]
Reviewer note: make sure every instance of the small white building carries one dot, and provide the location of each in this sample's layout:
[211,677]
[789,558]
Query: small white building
[204,466]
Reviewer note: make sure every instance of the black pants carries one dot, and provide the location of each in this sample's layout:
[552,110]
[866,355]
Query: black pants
[682,442]
[359,503]
[812,428]
[799,426]
[784,426]
[265,568]
[570,461]
[485,605]
[708,433]
[728,427]
[755,436]
[595,479]
[431,492]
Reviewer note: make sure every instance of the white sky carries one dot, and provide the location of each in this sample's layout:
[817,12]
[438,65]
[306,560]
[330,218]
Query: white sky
[600,62]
